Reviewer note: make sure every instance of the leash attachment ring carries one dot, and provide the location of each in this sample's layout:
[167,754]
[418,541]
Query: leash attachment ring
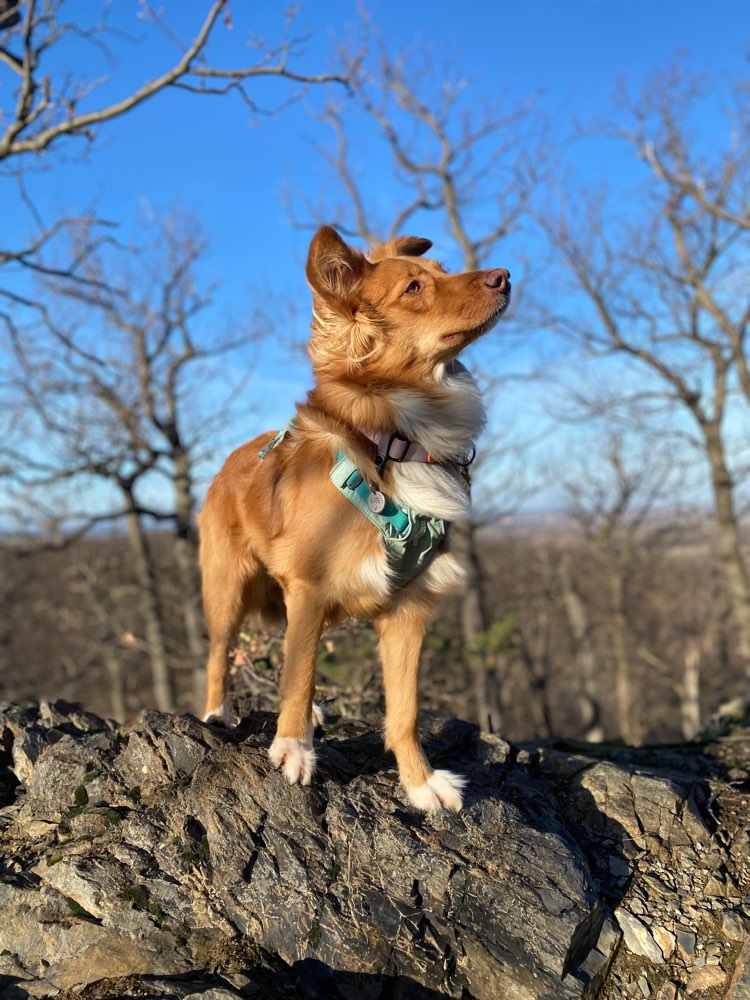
[464,461]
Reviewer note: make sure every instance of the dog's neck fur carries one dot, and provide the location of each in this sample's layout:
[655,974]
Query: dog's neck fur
[445,417]
[448,420]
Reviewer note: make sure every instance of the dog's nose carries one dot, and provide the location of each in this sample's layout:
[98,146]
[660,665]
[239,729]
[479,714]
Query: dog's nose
[499,279]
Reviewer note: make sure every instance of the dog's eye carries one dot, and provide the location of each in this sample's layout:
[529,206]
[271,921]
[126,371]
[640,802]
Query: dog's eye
[413,286]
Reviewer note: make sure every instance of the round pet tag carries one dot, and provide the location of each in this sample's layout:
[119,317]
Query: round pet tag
[376,502]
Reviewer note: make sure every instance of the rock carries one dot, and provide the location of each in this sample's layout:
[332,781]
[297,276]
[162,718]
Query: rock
[734,927]
[665,939]
[174,859]
[638,937]
[739,985]
[213,993]
[619,868]
[668,992]
[596,964]
[709,977]
[715,887]
[685,944]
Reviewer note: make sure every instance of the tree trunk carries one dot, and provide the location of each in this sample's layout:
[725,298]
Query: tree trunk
[690,698]
[116,685]
[475,621]
[186,558]
[150,609]
[186,551]
[731,556]
[580,627]
[618,628]
[535,658]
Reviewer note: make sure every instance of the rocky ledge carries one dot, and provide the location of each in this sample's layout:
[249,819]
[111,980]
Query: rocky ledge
[170,860]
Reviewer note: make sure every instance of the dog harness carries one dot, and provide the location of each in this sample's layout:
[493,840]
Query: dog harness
[411,539]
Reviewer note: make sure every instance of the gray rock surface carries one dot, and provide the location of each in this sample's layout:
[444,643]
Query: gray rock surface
[171,860]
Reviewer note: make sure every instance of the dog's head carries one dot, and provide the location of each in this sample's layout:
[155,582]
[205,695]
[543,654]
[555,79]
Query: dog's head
[395,311]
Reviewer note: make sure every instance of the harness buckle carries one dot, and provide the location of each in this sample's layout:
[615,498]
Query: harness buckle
[381,460]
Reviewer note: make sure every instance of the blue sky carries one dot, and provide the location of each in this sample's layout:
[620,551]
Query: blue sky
[232,169]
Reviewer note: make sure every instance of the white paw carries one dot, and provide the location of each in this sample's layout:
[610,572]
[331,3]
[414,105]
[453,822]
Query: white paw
[220,716]
[442,790]
[319,717]
[296,758]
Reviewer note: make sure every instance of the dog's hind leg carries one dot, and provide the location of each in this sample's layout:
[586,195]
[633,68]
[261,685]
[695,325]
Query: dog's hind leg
[227,592]
[401,636]
[319,716]
[292,749]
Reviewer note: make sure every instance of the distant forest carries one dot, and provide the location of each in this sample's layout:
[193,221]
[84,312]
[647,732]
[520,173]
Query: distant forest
[604,638]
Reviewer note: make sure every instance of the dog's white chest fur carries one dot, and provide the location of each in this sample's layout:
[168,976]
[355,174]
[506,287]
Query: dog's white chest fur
[445,427]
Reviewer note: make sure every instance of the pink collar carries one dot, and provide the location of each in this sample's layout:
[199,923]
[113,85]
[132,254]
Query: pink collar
[395,448]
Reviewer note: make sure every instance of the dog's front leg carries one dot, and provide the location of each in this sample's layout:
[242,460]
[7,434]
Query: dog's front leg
[292,749]
[401,636]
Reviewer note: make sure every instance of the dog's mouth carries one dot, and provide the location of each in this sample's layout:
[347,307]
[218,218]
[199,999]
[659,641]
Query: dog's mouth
[503,301]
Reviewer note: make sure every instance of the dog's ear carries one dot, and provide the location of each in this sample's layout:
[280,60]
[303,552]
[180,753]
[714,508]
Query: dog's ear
[402,246]
[411,246]
[342,329]
[334,269]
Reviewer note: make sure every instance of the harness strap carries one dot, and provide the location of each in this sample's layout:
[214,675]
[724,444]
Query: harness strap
[411,539]
[391,520]
[274,442]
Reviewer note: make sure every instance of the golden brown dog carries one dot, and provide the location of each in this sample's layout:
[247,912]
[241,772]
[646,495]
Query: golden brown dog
[279,540]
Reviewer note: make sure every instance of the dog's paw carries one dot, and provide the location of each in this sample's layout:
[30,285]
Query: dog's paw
[319,717]
[220,716]
[296,758]
[442,790]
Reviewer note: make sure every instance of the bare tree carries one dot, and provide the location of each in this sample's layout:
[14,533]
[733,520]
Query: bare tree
[665,291]
[111,388]
[46,110]
[582,629]
[92,583]
[618,498]
[448,160]
[469,170]
[92,412]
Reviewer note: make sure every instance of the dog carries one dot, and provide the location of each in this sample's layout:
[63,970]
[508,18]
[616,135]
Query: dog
[283,538]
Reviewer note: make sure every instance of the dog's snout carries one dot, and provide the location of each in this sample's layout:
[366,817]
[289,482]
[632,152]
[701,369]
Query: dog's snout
[499,279]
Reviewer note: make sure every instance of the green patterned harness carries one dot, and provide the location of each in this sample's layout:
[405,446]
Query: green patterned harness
[411,539]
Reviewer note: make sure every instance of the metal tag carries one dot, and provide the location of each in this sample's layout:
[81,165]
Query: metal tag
[376,502]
